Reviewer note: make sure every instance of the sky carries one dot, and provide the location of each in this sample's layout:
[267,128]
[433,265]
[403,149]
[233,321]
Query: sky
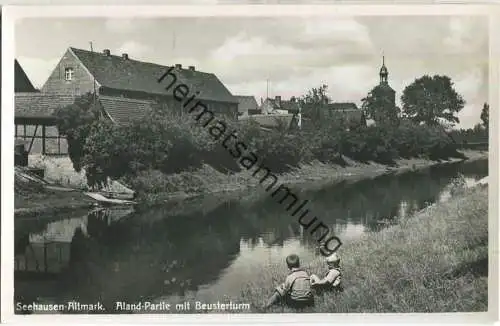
[290,54]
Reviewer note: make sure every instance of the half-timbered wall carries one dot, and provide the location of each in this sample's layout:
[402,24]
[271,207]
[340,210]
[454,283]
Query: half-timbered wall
[42,139]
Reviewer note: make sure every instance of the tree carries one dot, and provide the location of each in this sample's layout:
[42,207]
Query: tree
[377,105]
[313,101]
[74,121]
[485,115]
[431,99]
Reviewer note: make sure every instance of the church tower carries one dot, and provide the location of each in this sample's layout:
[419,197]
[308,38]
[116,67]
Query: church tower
[384,73]
[383,87]
[385,96]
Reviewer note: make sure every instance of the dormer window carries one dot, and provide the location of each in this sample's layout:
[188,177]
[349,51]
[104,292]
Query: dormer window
[68,73]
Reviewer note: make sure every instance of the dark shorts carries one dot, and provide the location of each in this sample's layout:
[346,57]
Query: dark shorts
[296,304]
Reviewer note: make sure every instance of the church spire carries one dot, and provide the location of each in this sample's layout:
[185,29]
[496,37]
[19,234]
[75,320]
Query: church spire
[383,72]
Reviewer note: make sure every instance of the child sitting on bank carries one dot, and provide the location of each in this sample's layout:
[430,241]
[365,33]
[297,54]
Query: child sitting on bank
[296,290]
[333,278]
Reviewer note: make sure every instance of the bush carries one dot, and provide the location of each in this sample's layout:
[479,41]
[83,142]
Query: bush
[157,182]
[172,144]
[74,121]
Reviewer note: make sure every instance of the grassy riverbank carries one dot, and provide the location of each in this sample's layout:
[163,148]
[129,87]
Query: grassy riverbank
[158,190]
[435,261]
[37,202]
[155,188]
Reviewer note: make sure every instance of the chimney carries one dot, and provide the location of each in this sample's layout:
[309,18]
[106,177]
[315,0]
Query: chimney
[125,56]
[278,100]
[261,101]
[191,68]
[178,66]
[107,52]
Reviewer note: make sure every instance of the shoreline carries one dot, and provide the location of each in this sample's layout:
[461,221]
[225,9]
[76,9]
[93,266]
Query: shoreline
[50,202]
[420,271]
[307,177]
[412,266]
[314,176]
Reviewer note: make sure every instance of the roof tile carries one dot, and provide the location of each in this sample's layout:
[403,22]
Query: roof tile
[126,74]
[123,110]
[39,105]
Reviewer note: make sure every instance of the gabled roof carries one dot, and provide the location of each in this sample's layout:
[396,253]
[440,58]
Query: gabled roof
[21,81]
[341,106]
[127,74]
[246,103]
[39,105]
[123,110]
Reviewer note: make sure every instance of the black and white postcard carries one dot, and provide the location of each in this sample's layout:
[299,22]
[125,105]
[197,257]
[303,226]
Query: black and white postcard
[249,163]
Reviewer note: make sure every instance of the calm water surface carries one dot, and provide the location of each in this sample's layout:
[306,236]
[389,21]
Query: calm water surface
[204,249]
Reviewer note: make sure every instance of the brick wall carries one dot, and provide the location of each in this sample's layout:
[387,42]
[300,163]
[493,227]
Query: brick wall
[82,81]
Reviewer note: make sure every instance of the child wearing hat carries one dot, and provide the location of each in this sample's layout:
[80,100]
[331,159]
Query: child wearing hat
[296,290]
[333,278]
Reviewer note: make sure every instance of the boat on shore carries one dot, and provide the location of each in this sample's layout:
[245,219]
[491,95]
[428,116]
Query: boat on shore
[29,181]
[108,201]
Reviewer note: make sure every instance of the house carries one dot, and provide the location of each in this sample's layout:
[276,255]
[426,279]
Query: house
[36,124]
[279,106]
[124,89]
[81,71]
[348,112]
[247,105]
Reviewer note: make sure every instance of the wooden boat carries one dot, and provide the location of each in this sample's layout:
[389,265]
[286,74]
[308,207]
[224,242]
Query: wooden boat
[117,195]
[111,201]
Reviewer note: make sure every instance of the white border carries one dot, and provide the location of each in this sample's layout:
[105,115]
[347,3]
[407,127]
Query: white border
[12,13]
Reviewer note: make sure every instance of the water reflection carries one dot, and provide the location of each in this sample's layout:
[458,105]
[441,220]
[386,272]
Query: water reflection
[205,246]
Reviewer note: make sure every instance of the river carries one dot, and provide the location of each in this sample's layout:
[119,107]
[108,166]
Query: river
[203,250]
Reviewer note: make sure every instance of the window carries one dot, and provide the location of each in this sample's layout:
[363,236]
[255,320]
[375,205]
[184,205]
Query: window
[68,73]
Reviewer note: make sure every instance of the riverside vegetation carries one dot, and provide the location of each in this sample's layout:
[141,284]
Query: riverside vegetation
[163,152]
[435,261]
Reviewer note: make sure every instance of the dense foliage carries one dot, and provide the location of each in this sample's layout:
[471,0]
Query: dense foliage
[170,143]
[432,99]
[74,121]
[312,102]
[478,134]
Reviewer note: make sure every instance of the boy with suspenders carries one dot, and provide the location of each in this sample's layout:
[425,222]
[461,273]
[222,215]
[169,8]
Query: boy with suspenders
[296,290]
